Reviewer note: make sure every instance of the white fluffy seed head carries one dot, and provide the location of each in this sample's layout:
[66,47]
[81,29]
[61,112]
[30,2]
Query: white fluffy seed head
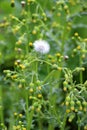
[41,46]
[23,3]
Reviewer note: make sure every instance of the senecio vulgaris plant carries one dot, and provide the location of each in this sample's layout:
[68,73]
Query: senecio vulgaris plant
[47,86]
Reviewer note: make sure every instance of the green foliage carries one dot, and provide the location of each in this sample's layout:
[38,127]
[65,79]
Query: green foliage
[43,65]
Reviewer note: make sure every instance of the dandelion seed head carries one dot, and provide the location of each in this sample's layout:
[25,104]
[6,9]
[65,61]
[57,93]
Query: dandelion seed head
[22,2]
[41,46]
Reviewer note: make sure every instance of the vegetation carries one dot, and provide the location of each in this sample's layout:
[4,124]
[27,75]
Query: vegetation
[43,65]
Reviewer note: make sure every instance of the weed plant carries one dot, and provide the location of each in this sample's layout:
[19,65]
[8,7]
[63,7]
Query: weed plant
[43,64]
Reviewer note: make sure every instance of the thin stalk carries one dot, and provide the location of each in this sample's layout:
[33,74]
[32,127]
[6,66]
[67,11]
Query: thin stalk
[27,112]
[1,107]
[39,60]
[29,115]
[81,75]
[37,67]
[40,123]
[48,76]
[51,127]
[64,122]
[78,123]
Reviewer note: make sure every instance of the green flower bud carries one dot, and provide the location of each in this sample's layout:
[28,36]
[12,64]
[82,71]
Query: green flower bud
[31,84]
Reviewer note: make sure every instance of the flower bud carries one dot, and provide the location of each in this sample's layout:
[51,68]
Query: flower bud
[12,3]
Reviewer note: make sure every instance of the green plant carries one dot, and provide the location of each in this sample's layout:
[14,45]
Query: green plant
[43,83]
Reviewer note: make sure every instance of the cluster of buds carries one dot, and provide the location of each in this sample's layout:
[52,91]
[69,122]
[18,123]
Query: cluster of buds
[75,106]
[35,95]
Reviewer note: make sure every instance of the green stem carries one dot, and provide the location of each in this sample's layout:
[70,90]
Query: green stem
[81,75]
[39,60]
[29,123]
[64,122]
[40,123]
[51,127]
[48,76]
[1,107]
[78,123]
[37,67]
[29,115]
